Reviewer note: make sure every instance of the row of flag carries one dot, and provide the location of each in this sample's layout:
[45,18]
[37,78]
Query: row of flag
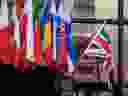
[29,29]
[38,18]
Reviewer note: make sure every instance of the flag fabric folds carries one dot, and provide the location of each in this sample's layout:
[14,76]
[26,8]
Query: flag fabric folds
[52,9]
[104,40]
[36,7]
[19,7]
[30,30]
[28,7]
[55,29]
[44,7]
[55,24]
[62,45]
[23,31]
[37,43]
[47,34]
[48,42]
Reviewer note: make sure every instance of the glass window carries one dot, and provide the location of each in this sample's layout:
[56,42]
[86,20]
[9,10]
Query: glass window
[83,8]
[103,8]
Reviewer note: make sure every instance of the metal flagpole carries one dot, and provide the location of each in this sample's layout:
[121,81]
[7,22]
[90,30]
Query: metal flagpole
[120,44]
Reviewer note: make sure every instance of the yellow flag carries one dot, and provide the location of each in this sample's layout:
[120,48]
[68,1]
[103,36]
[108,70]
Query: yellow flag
[47,35]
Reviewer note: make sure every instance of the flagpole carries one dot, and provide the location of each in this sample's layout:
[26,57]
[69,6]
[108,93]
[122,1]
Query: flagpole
[121,55]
